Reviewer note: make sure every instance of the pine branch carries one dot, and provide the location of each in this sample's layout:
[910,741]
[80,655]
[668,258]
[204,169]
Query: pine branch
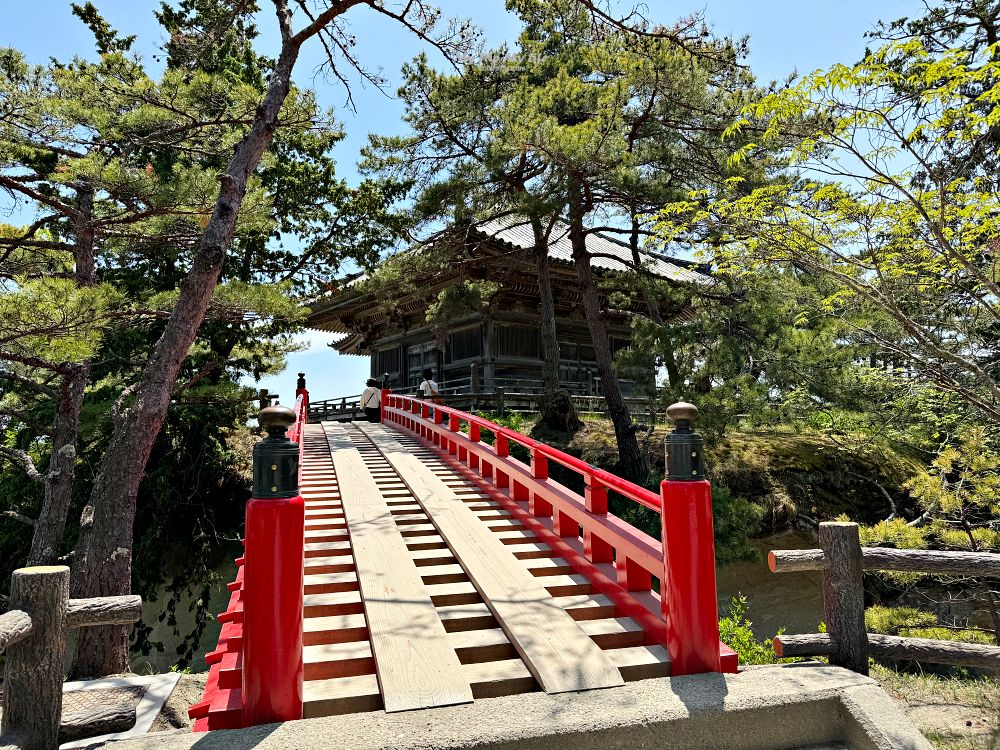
[23,460]
[34,385]
[19,517]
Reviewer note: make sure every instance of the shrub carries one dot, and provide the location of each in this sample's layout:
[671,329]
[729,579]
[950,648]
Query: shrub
[736,631]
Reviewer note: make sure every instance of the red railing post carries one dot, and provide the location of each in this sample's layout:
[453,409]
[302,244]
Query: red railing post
[687,585]
[273,577]
[539,470]
[386,401]
[300,390]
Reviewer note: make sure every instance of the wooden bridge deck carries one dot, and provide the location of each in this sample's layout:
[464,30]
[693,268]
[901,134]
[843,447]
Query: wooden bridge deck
[422,590]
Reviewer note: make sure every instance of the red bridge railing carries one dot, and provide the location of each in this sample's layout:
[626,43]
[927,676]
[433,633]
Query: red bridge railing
[684,613]
[256,672]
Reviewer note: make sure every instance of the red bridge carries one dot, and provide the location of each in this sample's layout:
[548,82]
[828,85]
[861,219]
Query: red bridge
[429,561]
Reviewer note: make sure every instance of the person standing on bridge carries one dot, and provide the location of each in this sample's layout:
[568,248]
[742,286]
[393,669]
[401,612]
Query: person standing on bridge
[428,388]
[371,401]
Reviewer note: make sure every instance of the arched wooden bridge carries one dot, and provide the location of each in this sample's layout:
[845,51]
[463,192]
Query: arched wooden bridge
[429,561]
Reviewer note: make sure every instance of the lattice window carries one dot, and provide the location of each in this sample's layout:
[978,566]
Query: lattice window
[523,342]
[388,361]
[466,343]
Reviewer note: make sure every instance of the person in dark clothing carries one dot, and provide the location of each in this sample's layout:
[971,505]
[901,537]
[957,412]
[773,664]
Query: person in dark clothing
[371,401]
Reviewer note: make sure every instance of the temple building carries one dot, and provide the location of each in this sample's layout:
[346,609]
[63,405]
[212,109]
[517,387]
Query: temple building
[499,346]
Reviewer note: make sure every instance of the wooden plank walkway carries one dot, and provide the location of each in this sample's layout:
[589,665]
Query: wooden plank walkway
[560,655]
[341,649]
[415,664]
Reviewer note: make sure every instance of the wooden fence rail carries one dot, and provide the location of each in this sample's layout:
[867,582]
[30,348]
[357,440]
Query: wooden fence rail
[843,561]
[33,635]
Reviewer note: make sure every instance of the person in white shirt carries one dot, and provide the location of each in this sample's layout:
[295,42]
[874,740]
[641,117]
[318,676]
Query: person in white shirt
[428,388]
[371,401]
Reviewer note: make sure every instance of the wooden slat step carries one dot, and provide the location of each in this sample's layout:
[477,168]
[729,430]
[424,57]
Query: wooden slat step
[563,585]
[325,605]
[334,629]
[447,573]
[491,644]
[587,606]
[492,679]
[543,567]
[614,633]
[462,592]
[430,557]
[344,695]
[641,662]
[425,542]
[559,654]
[419,529]
[482,645]
[330,548]
[318,513]
[515,536]
[346,659]
[329,564]
[417,666]
[334,542]
[528,549]
[323,524]
[474,616]
[331,583]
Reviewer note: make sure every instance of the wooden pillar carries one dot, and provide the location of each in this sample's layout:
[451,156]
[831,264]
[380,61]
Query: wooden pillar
[34,666]
[489,352]
[474,384]
[844,595]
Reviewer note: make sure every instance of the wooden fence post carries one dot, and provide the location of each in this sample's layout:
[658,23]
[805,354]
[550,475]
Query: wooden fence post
[474,384]
[844,595]
[34,671]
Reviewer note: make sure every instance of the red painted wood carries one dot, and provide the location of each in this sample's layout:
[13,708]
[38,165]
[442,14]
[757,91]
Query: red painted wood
[272,642]
[689,592]
[687,573]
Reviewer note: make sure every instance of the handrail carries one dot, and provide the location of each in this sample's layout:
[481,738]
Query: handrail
[294,432]
[356,398]
[641,495]
[684,612]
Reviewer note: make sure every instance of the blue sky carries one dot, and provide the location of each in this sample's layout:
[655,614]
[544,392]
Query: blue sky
[785,36]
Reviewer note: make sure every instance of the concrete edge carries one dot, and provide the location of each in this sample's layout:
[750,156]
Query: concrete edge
[874,721]
[772,708]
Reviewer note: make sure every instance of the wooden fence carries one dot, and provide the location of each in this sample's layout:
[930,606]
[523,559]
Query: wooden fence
[846,641]
[33,635]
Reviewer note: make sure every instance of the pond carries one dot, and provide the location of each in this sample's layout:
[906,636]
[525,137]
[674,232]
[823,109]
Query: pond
[793,601]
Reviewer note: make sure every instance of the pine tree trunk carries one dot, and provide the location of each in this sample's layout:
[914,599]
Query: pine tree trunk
[633,242]
[47,539]
[556,407]
[106,558]
[547,312]
[632,461]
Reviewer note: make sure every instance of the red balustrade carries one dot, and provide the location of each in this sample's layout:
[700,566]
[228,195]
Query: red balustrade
[273,593]
[683,562]
[256,671]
